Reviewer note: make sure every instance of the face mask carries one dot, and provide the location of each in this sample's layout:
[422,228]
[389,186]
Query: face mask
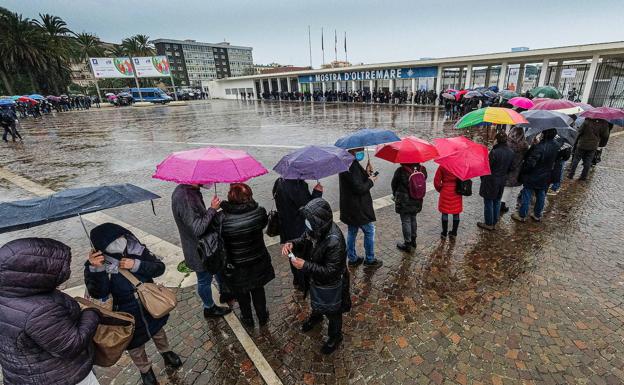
[118,246]
[359,156]
[308,225]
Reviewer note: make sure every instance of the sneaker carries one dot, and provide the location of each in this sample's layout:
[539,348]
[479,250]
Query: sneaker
[216,311]
[357,262]
[331,345]
[517,217]
[404,247]
[552,193]
[485,226]
[375,263]
[172,360]
[536,218]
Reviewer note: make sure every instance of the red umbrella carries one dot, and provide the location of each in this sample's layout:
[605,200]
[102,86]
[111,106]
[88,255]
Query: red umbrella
[409,150]
[463,157]
[26,99]
[605,113]
[459,94]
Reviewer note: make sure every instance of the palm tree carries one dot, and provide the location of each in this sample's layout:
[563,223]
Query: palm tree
[138,45]
[59,47]
[87,45]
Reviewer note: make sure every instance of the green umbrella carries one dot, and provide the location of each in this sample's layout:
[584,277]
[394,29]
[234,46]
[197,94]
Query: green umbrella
[546,92]
[15,97]
[508,94]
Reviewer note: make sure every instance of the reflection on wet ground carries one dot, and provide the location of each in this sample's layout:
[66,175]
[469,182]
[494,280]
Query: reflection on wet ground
[534,303]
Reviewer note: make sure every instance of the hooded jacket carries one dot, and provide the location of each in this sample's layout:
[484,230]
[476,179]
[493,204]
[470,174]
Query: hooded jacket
[538,165]
[45,339]
[291,195]
[501,159]
[356,202]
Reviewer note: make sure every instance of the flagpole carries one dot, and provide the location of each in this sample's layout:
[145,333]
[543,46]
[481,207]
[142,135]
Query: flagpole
[310,45]
[335,46]
[346,58]
[323,45]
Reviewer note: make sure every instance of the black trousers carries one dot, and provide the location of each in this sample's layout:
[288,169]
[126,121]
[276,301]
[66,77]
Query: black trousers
[258,297]
[334,329]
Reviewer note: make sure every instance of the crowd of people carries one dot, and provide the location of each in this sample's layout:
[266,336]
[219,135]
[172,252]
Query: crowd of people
[422,97]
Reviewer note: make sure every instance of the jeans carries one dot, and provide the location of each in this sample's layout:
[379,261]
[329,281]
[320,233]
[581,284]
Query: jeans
[408,226]
[369,241]
[491,211]
[558,171]
[334,329]
[527,195]
[587,156]
[258,297]
[204,288]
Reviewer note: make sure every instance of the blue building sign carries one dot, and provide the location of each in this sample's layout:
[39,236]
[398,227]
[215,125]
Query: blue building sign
[381,74]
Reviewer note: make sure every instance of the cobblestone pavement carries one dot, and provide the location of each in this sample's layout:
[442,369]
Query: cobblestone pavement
[533,303]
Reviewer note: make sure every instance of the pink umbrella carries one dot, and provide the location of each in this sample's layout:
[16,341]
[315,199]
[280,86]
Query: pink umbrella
[539,100]
[584,106]
[605,113]
[209,165]
[521,102]
[559,105]
[462,157]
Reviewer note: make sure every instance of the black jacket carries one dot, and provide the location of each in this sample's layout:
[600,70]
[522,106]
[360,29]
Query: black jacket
[403,202]
[44,337]
[100,284]
[356,203]
[248,260]
[592,134]
[501,164]
[290,196]
[539,161]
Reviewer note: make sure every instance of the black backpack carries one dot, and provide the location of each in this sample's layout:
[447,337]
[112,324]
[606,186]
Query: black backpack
[463,187]
[211,250]
[6,117]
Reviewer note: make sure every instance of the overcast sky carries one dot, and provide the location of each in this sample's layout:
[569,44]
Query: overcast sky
[377,31]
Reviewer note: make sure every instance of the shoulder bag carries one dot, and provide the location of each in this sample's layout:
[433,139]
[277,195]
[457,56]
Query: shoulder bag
[212,251]
[273,225]
[156,299]
[112,335]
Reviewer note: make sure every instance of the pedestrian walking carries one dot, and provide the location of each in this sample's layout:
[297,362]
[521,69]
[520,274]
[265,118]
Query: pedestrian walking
[46,338]
[290,196]
[408,200]
[356,209]
[248,262]
[117,248]
[194,220]
[449,202]
[491,190]
[320,254]
[516,141]
[8,121]
[590,135]
[536,175]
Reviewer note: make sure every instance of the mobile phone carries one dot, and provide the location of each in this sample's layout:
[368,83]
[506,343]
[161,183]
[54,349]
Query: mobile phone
[375,173]
[291,256]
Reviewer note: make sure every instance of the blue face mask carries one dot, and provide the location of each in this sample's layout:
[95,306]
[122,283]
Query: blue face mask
[308,225]
[359,156]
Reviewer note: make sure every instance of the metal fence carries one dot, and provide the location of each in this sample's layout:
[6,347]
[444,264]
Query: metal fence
[608,89]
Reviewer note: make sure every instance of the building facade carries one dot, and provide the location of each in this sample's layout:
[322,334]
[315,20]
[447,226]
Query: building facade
[593,73]
[194,63]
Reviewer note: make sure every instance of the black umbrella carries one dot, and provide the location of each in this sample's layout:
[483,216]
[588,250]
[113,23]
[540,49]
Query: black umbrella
[69,203]
[541,120]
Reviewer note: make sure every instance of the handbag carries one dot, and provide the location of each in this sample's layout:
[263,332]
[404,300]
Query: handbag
[326,299]
[273,224]
[211,251]
[156,299]
[463,187]
[113,334]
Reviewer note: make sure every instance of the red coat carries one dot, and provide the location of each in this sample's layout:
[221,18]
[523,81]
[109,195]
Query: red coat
[450,202]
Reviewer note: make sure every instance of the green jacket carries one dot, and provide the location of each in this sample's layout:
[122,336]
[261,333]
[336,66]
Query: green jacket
[591,134]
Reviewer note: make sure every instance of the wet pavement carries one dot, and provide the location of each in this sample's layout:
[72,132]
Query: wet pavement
[533,303]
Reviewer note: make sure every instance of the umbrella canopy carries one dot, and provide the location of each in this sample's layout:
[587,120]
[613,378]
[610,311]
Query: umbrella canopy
[15,97]
[451,90]
[446,95]
[409,150]
[540,120]
[26,99]
[496,115]
[36,97]
[459,94]
[314,162]
[584,106]
[493,88]
[54,98]
[209,165]
[605,113]
[366,137]
[7,102]
[521,102]
[111,97]
[462,157]
[546,92]
[567,133]
[108,94]
[508,94]
[473,94]
[27,213]
[490,94]
[560,105]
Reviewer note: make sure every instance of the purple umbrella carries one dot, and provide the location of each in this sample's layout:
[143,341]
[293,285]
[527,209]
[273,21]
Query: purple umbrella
[314,162]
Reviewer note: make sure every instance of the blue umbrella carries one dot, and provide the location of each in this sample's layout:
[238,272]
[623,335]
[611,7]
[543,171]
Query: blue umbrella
[314,162]
[493,88]
[36,97]
[367,137]
[69,203]
[7,102]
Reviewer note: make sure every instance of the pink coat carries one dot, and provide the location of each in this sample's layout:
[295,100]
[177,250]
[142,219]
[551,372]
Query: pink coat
[450,202]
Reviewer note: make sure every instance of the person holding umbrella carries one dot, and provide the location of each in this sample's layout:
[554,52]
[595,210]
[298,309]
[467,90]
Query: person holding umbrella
[501,163]
[589,138]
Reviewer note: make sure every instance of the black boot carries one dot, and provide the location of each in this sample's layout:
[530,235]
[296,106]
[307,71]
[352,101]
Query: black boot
[453,232]
[149,378]
[504,209]
[332,344]
[413,243]
[172,360]
[404,246]
[311,322]
[444,229]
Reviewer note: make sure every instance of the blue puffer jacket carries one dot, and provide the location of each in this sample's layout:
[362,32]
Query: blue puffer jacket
[45,339]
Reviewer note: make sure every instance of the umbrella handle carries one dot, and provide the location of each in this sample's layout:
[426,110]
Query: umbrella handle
[86,232]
